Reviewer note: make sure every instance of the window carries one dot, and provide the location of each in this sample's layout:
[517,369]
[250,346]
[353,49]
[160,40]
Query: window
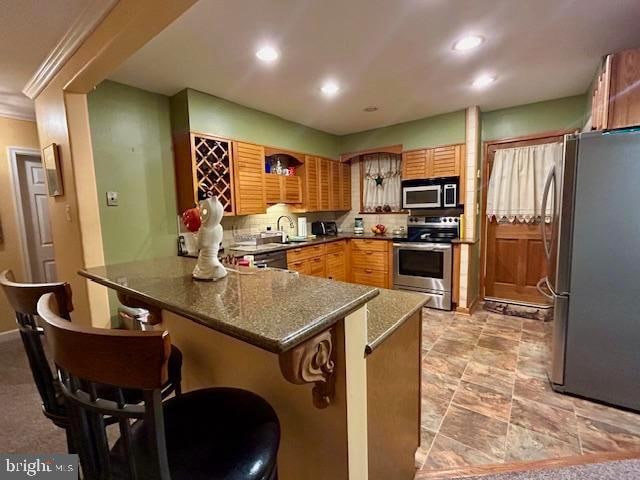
[380,182]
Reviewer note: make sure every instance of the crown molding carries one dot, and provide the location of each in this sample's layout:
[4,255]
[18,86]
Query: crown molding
[14,115]
[84,25]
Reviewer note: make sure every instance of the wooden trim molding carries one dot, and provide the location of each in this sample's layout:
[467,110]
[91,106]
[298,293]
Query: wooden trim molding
[345,157]
[89,19]
[314,362]
[549,463]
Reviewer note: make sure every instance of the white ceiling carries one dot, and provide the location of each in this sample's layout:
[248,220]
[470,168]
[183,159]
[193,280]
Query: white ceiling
[393,54]
[29,30]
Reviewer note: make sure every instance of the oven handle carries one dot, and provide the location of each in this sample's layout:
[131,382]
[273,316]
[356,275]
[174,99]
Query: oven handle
[422,247]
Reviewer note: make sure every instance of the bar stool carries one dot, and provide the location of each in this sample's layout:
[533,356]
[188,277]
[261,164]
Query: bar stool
[23,298]
[213,433]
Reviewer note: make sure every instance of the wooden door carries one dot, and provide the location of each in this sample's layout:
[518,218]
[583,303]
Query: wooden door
[292,187]
[515,262]
[513,254]
[446,161]
[35,206]
[624,93]
[324,184]
[310,193]
[272,188]
[335,195]
[416,164]
[248,160]
[345,185]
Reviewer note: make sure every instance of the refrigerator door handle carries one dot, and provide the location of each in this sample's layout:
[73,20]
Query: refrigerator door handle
[543,212]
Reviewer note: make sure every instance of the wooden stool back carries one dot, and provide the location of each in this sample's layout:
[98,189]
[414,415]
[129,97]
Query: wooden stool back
[125,359]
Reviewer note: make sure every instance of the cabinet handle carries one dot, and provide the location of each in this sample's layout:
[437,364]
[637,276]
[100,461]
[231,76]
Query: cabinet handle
[368,270]
[369,253]
[297,250]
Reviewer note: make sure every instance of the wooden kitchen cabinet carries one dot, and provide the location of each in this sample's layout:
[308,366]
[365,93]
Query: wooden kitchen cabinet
[417,164]
[203,167]
[616,98]
[335,192]
[324,184]
[300,266]
[249,178]
[310,197]
[371,262]
[447,161]
[283,189]
[336,264]
[345,186]
[317,266]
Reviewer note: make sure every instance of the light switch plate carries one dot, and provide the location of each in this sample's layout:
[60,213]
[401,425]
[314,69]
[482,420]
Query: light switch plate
[112,199]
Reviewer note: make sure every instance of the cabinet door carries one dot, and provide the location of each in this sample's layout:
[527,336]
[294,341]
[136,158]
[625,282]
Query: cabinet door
[417,164]
[324,190]
[317,266]
[345,185]
[292,189]
[300,266]
[624,107]
[310,193]
[272,188]
[337,265]
[335,196]
[446,161]
[248,161]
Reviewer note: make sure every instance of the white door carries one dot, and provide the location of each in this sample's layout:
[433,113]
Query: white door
[33,190]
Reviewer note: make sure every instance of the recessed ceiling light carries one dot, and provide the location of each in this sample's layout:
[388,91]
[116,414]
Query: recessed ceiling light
[468,43]
[267,54]
[483,81]
[370,109]
[330,88]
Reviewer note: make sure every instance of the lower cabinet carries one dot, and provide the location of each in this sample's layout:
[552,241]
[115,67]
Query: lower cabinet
[336,265]
[363,261]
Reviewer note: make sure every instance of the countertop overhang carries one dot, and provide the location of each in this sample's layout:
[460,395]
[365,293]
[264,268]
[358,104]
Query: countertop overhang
[272,309]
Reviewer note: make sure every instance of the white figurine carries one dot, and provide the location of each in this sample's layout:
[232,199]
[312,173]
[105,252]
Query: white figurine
[209,238]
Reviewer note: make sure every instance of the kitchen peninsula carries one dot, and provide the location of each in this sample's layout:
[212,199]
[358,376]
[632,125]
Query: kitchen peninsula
[339,362]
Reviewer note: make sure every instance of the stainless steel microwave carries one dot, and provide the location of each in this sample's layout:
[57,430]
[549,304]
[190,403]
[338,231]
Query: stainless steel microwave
[438,193]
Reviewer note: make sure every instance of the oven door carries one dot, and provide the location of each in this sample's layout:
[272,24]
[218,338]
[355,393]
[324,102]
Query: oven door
[422,266]
[422,196]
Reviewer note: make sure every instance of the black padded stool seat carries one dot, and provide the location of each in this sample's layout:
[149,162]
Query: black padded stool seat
[213,433]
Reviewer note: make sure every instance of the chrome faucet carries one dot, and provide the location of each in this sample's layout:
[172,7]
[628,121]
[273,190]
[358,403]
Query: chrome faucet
[291,224]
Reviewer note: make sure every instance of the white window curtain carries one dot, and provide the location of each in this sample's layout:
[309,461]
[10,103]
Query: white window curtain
[388,167]
[517,182]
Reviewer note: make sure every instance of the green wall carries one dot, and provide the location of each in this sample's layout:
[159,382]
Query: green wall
[214,115]
[538,117]
[131,135]
[426,132]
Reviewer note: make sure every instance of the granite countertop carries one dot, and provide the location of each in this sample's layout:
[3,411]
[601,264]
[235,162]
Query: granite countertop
[278,247]
[270,308]
[387,312]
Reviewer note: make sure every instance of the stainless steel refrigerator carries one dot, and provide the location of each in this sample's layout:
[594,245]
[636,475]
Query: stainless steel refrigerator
[593,253]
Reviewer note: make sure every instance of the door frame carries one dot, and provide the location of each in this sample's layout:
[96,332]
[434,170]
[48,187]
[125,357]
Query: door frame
[485,184]
[12,154]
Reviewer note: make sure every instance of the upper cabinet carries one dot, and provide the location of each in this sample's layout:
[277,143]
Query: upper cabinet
[248,160]
[244,176]
[204,167]
[616,98]
[445,161]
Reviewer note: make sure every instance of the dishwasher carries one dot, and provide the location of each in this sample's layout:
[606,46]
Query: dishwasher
[271,259]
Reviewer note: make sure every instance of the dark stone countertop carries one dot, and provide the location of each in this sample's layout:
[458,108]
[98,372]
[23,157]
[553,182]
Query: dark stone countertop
[270,308]
[387,312]
[321,239]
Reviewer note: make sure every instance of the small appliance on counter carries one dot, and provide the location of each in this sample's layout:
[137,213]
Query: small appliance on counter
[358,227]
[187,245]
[324,228]
[302,227]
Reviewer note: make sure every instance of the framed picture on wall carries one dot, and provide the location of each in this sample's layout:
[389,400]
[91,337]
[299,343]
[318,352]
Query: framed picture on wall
[51,163]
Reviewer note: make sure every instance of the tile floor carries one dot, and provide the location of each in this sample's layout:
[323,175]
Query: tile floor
[486,400]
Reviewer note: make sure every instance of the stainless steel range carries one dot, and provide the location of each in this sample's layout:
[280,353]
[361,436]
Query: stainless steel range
[423,261]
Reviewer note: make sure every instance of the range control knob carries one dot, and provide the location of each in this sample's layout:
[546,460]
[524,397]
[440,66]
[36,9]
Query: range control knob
[456,219]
